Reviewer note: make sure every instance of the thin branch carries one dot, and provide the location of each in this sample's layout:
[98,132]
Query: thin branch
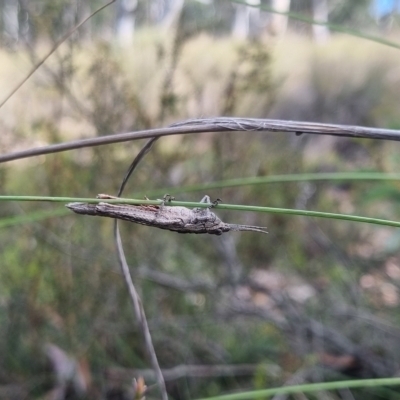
[174,282]
[188,371]
[52,50]
[137,303]
[222,124]
[331,338]
[297,378]
[139,312]
[146,148]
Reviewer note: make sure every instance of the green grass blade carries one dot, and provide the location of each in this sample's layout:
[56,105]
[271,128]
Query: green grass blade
[308,388]
[330,176]
[333,27]
[32,217]
[235,207]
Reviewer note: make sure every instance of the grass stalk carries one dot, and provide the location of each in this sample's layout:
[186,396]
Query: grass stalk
[308,388]
[233,207]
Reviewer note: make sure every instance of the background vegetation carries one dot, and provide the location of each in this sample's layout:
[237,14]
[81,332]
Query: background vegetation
[315,300]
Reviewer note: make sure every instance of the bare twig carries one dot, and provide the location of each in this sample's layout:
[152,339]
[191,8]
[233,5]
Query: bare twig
[140,314]
[332,339]
[137,303]
[52,50]
[223,124]
[146,148]
[297,378]
[189,371]
[174,282]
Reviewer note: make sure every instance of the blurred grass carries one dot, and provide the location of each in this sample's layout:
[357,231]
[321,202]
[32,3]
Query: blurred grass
[341,177]
[336,28]
[222,206]
[310,388]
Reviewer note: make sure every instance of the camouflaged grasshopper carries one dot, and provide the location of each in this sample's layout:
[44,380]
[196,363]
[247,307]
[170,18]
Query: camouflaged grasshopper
[177,219]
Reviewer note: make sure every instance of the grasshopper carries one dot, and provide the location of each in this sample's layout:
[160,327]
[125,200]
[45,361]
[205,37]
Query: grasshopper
[176,219]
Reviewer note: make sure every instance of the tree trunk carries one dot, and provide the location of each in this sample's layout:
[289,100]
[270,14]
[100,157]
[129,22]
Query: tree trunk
[320,13]
[125,24]
[10,22]
[278,24]
[247,20]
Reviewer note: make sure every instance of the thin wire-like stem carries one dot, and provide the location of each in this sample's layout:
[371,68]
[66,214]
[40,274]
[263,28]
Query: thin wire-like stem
[139,312]
[271,179]
[51,51]
[146,148]
[285,178]
[189,204]
[222,124]
[135,298]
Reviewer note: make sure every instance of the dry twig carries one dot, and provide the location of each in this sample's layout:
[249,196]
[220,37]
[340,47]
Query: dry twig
[188,371]
[52,50]
[223,124]
[137,303]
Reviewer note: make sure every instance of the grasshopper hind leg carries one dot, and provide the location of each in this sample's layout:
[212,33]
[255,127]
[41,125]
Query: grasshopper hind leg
[206,199]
